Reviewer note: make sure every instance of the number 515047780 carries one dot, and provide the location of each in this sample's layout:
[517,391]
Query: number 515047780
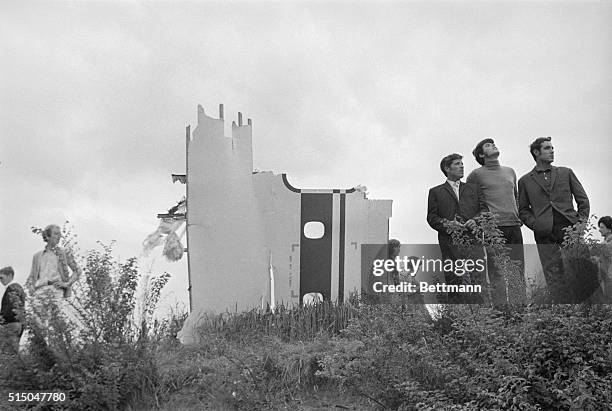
[36,396]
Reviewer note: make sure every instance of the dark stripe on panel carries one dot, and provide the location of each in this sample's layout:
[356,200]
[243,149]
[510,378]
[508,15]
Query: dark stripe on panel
[289,186]
[315,254]
[342,246]
[336,190]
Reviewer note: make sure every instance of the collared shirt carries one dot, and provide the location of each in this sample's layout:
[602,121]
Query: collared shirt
[543,174]
[49,269]
[455,186]
[51,265]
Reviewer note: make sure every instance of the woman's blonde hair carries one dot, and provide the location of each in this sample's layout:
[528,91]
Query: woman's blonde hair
[46,233]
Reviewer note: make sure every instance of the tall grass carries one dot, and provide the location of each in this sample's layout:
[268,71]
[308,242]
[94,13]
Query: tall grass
[287,322]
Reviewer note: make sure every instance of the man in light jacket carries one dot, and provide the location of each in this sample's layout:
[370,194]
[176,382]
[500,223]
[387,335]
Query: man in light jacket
[50,266]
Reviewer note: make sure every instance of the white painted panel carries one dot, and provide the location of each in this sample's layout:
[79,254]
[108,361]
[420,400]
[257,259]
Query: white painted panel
[227,258]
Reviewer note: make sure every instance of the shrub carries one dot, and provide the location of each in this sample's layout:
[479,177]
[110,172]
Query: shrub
[487,241]
[93,349]
[522,358]
[581,254]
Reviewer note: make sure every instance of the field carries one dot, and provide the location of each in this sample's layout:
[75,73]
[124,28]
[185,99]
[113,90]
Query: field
[351,356]
[107,350]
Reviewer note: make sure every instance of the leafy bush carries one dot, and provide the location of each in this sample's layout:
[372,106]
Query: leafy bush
[585,278]
[96,348]
[478,358]
[486,240]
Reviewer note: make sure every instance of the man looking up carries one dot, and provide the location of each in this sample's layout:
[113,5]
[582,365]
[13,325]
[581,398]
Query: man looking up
[498,186]
[546,196]
[453,200]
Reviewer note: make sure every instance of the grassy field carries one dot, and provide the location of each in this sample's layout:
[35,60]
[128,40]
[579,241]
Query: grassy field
[351,356]
[357,355]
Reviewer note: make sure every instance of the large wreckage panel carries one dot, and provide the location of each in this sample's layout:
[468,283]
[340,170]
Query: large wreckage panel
[247,245]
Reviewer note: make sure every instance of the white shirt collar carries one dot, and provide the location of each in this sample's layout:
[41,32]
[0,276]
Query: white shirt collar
[453,183]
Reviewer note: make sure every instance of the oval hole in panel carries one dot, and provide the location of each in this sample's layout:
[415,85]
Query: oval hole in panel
[314,230]
[312,298]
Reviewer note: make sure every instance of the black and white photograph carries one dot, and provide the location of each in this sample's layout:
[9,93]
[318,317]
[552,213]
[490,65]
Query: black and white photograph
[306,205]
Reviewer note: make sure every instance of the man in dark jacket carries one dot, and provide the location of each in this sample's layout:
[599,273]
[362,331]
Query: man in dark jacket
[546,196]
[453,201]
[12,310]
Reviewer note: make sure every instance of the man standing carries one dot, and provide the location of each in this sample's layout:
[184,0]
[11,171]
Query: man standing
[498,186]
[12,312]
[453,201]
[546,207]
[49,273]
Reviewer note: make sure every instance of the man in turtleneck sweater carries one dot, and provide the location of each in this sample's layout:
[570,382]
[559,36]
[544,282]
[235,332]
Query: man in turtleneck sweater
[498,185]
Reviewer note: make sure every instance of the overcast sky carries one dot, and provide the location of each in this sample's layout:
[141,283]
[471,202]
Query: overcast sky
[96,95]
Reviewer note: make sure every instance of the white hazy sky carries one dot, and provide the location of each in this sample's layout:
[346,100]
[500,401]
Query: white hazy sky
[95,97]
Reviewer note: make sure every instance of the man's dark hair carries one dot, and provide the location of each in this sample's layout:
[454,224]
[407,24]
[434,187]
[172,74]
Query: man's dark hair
[607,221]
[448,160]
[537,145]
[7,270]
[478,150]
[393,245]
